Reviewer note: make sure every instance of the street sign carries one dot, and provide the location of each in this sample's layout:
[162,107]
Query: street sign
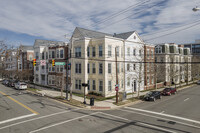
[116,88]
[117,85]
[59,63]
[42,62]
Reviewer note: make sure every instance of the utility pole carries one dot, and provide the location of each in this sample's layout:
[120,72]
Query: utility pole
[116,87]
[67,82]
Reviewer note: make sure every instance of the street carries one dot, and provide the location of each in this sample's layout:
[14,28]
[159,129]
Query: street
[22,113]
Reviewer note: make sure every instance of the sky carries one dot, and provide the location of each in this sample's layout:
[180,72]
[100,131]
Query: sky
[156,21]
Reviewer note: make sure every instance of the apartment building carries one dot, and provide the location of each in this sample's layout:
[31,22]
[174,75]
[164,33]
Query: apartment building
[93,62]
[11,63]
[57,74]
[41,55]
[2,64]
[173,63]
[25,62]
[149,66]
[133,58]
[195,52]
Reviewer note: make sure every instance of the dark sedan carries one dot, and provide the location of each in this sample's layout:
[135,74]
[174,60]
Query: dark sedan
[152,96]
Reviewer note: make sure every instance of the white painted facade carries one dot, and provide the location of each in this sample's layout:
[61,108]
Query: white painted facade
[41,72]
[134,73]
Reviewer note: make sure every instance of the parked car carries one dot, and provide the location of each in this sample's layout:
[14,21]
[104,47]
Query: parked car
[20,86]
[11,83]
[198,82]
[169,91]
[152,96]
[5,82]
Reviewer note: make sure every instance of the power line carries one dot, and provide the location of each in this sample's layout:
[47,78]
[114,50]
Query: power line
[173,32]
[131,15]
[170,29]
[120,12]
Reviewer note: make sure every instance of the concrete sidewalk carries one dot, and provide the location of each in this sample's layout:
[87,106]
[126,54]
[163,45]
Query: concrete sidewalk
[106,104]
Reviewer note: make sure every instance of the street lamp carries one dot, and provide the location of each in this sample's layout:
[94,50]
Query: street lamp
[196,9]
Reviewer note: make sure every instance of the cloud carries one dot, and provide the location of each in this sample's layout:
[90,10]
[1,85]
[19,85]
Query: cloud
[53,19]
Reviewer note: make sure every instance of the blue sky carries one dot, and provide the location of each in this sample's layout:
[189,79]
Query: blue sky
[21,22]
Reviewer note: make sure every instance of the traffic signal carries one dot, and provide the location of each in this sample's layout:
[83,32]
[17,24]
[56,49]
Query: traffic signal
[53,62]
[34,62]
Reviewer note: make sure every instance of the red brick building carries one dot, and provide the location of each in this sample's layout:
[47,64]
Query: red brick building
[149,59]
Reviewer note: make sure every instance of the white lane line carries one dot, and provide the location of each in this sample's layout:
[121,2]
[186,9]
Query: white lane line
[186,99]
[160,118]
[162,112]
[167,115]
[37,118]
[115,116]
[16,118]
[63,122]
[139,123]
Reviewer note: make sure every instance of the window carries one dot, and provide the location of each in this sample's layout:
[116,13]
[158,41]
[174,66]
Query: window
[36,78]
[100,85]
[57,68]
[122,83]
[117,51]
[128,81]
[93,68]
[100,51]
[147,79]
[50,68]
[122,67]
[43,77]
[46,55]
[78,68]
[128,67]
[61,53]
[148,53]
[109,85]
[134,52]
[158,49]
[78,52]
[162,59]
[53,54]
[152,80]
[88,84]
[109,50]
[42,67]
[93,85]
[93,52]
[37,68]
[128,51]
[155,59]
[88,68]
[152,53]
[57,52]
[30,57]
[109,68]
[61,68]
[78,84]
[36,55]
[140,52]
[100,68]
[147,67]
[53,68]
[88,51]
[134,67]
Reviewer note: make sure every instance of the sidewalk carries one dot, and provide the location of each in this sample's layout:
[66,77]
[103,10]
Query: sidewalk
[106,104]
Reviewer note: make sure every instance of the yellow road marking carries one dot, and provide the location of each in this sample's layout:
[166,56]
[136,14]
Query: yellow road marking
[26,107]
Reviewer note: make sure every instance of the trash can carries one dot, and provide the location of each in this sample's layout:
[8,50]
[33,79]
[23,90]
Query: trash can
[92,101]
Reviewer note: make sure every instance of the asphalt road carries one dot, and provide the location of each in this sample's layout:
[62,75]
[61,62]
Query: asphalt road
[21,113]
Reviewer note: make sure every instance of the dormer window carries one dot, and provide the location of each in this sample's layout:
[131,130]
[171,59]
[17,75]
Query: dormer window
[158,49]
[134,37]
